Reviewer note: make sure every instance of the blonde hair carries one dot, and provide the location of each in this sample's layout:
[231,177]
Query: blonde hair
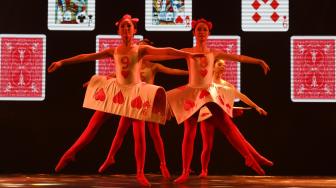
[219,59]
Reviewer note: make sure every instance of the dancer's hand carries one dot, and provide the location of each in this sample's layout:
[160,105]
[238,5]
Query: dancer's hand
[261,111]
[54,66]
[264,66]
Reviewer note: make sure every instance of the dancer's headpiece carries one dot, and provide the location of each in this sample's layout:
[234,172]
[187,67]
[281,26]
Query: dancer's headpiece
[125,17]
[202,20]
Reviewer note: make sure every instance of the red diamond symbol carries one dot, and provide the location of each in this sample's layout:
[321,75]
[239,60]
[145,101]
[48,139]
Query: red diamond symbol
[256,17]
[274,4]
[265,1]
[255,4]
[275,17]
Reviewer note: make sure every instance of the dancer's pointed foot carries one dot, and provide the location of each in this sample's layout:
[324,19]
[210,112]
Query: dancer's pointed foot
[203,174]
[164,170]
[261,159]
[142,180]
[66,158]
[105,165]
[252,163]
[264,161]
[183,178]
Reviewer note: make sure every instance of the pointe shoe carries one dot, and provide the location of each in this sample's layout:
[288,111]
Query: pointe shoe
[261,159]
[164,171]
[183,178]
[252,163]
[264,161]
[203,174]
[142,180]
[65,159]
[105,165]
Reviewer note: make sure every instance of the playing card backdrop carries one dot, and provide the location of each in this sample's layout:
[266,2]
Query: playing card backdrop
[265,15]
[230,45]
[71,14]
[106,66]
[22,67]
[313,69]
[168,15]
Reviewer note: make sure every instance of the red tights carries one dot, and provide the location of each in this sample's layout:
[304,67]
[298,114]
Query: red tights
[190,129]
[85,138]
[154,131]
[139,147]
[252,158]
[95,123]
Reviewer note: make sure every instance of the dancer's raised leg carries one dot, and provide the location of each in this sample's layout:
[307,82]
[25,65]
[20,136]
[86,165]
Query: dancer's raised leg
[124,125]
[257,156]
[227,128]
[97,119]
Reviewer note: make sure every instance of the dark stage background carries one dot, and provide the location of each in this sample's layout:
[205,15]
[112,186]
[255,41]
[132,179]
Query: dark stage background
[298,137]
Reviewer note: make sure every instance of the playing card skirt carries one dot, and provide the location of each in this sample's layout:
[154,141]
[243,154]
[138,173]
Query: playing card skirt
[140,101]
[187,100]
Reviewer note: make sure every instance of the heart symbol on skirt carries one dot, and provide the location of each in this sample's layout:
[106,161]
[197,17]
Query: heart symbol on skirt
[137,102]
[146,105]
[188,104]
[100,95]
[203,94]
[118,98]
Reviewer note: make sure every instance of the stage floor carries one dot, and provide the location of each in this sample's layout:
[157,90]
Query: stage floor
[118,181]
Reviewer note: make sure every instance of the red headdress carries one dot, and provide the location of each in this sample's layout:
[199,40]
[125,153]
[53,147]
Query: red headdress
[127,16]
[202,20]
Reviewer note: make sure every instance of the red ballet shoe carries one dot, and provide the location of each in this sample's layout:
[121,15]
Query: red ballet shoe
[259,158]
[142,180]
[66,158]
[164,170]
[183,178]
[105,165]
[203,174]
[263,161]
[252,163]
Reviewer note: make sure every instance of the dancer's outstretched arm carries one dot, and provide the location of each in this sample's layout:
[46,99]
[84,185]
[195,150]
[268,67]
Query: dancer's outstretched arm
[161,57]
[81,58]
[150,50]
[249,102]
[242,59]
